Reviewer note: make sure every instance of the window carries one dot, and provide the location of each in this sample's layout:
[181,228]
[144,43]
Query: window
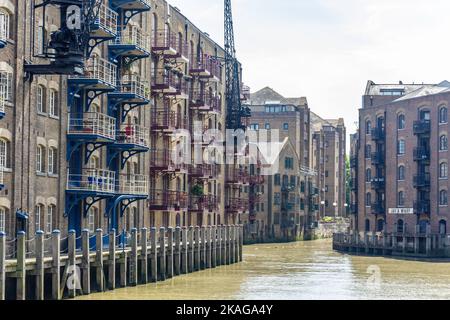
[2,219]
[49,219]
[91,219]
[37,216]
[52,161]
[380,225]
[3,153]
[443,198]
[254,126]
[401,124]
[289,163]
[285,126]
[4,24]
[277,198]
[443,115]
[443,143]
[368,175]
[401,147]
[53,104]
[400,226]
[40,91]
[443,227]
[443,170]
[277,180]
[368,127]
[367,225]
[40,159]
[267,126]
[6,85]
[368,199]
[293,181]
[401,199]
[368,151]
[401,173]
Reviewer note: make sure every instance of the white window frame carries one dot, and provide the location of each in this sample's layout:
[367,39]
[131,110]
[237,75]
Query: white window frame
[40,159]
[40,99]
[4,24]
[52,163]
[37,217]
[2,219]
[3,153]
[49,219]
[91,219]
[52,103]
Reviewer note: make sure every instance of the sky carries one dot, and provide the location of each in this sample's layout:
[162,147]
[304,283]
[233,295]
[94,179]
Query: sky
[327,50]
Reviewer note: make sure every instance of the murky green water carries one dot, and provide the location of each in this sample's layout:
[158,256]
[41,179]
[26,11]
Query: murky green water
[304,270]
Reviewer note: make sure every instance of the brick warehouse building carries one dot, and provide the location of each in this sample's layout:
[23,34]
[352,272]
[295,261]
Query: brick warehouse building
[93,151]
[399,161]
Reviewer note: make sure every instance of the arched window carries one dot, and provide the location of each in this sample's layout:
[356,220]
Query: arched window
[94,162]
[53,109]
[367,225]
[401,123]
[2,219]
[380,225]
[39,211]
[40,165]
[400,226]
[40,99]
[368,199]
[4,24]
[6,85]
[92,213]
[401,147]
[368,175]
[51,210]
[442,227]
[443,115]
[443,170]
[368,151]
[4,153]
[52,161]
[368,127]
[443,143]
[443,198]
[401,173]
[401,199]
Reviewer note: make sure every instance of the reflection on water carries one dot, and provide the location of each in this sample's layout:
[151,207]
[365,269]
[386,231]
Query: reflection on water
[304,270]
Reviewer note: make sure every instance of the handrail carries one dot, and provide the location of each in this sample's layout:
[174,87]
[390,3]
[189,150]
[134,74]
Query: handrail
[92,123]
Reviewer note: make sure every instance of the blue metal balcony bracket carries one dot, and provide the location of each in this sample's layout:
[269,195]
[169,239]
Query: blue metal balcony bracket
[125,103]
[76,89]
[124,201]
[89,199]
[125,155]
[2,115]
[90,148]
[127,9]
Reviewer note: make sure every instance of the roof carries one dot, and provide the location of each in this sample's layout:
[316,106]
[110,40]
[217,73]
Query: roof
[374,89]
[426,90]
[267,95]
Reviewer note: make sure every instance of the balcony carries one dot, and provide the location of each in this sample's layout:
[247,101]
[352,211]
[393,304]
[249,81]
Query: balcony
[99,75]
[203,203]
[422,207]
[205,67]
[167,200]
[378,208]
[168,83]
[378,134]
[256,179]
[237,176]
[422,127]
[354,208]
[205,102]
[237,205]
[105,25]
[422,154]
[422,181]
[168,121]
[130,43]
[354,162]
[204,171]
[354,183]
[133,184]
[377,158]
[91,126]
[378,183]
[161,161]
[170,45]
[132,137]
[131,91]
[92,181]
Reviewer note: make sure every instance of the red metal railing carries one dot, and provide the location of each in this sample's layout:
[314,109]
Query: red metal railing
[237,176]
[168,199]
[169,44]
[204,66]
[204,100]
[162,160]
[237,205]
[166,81]
[202,203]
[256,179]
[204,171]
[164,119]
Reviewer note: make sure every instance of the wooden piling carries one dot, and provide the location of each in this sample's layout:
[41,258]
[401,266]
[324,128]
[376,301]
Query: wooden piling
[227,245]
[99,260]
[39,271]
[2,266]
[177,252]
[184,252]
[144,256]
[241,242]
[236,244]
[85,263]
[208,247]
[224,245]
[191,249]
[169,253]
[232,242]
[112,260]
[123,261]
[162,253]
[132,270]
[219,246]
[196,247]
[214,246]
[203,248]
[56,265]
[153,255]
[73,279]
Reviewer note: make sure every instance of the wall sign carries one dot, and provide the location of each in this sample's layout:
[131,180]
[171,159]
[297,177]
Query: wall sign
[401,211]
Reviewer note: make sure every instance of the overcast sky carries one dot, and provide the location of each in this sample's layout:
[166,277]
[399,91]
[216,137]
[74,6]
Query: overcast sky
[326,50]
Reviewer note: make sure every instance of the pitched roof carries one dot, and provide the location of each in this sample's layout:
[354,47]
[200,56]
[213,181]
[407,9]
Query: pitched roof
[268,94]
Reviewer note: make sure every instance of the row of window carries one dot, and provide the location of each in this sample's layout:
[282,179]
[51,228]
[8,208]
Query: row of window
[255,126]
[401,226]
[401,173]
[443,198]
[47,101]
[52,160]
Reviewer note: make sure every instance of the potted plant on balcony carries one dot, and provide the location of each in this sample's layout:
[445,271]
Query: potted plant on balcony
[197,192]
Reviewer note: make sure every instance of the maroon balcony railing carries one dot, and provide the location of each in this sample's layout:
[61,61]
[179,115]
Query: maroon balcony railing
[166,120]
[203,203]
[237,176]
[235,205]
[168,200]
[205,102]
[204,171]
[161,160]
[165,82]
[205,66]
[253,179]
[170,45]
